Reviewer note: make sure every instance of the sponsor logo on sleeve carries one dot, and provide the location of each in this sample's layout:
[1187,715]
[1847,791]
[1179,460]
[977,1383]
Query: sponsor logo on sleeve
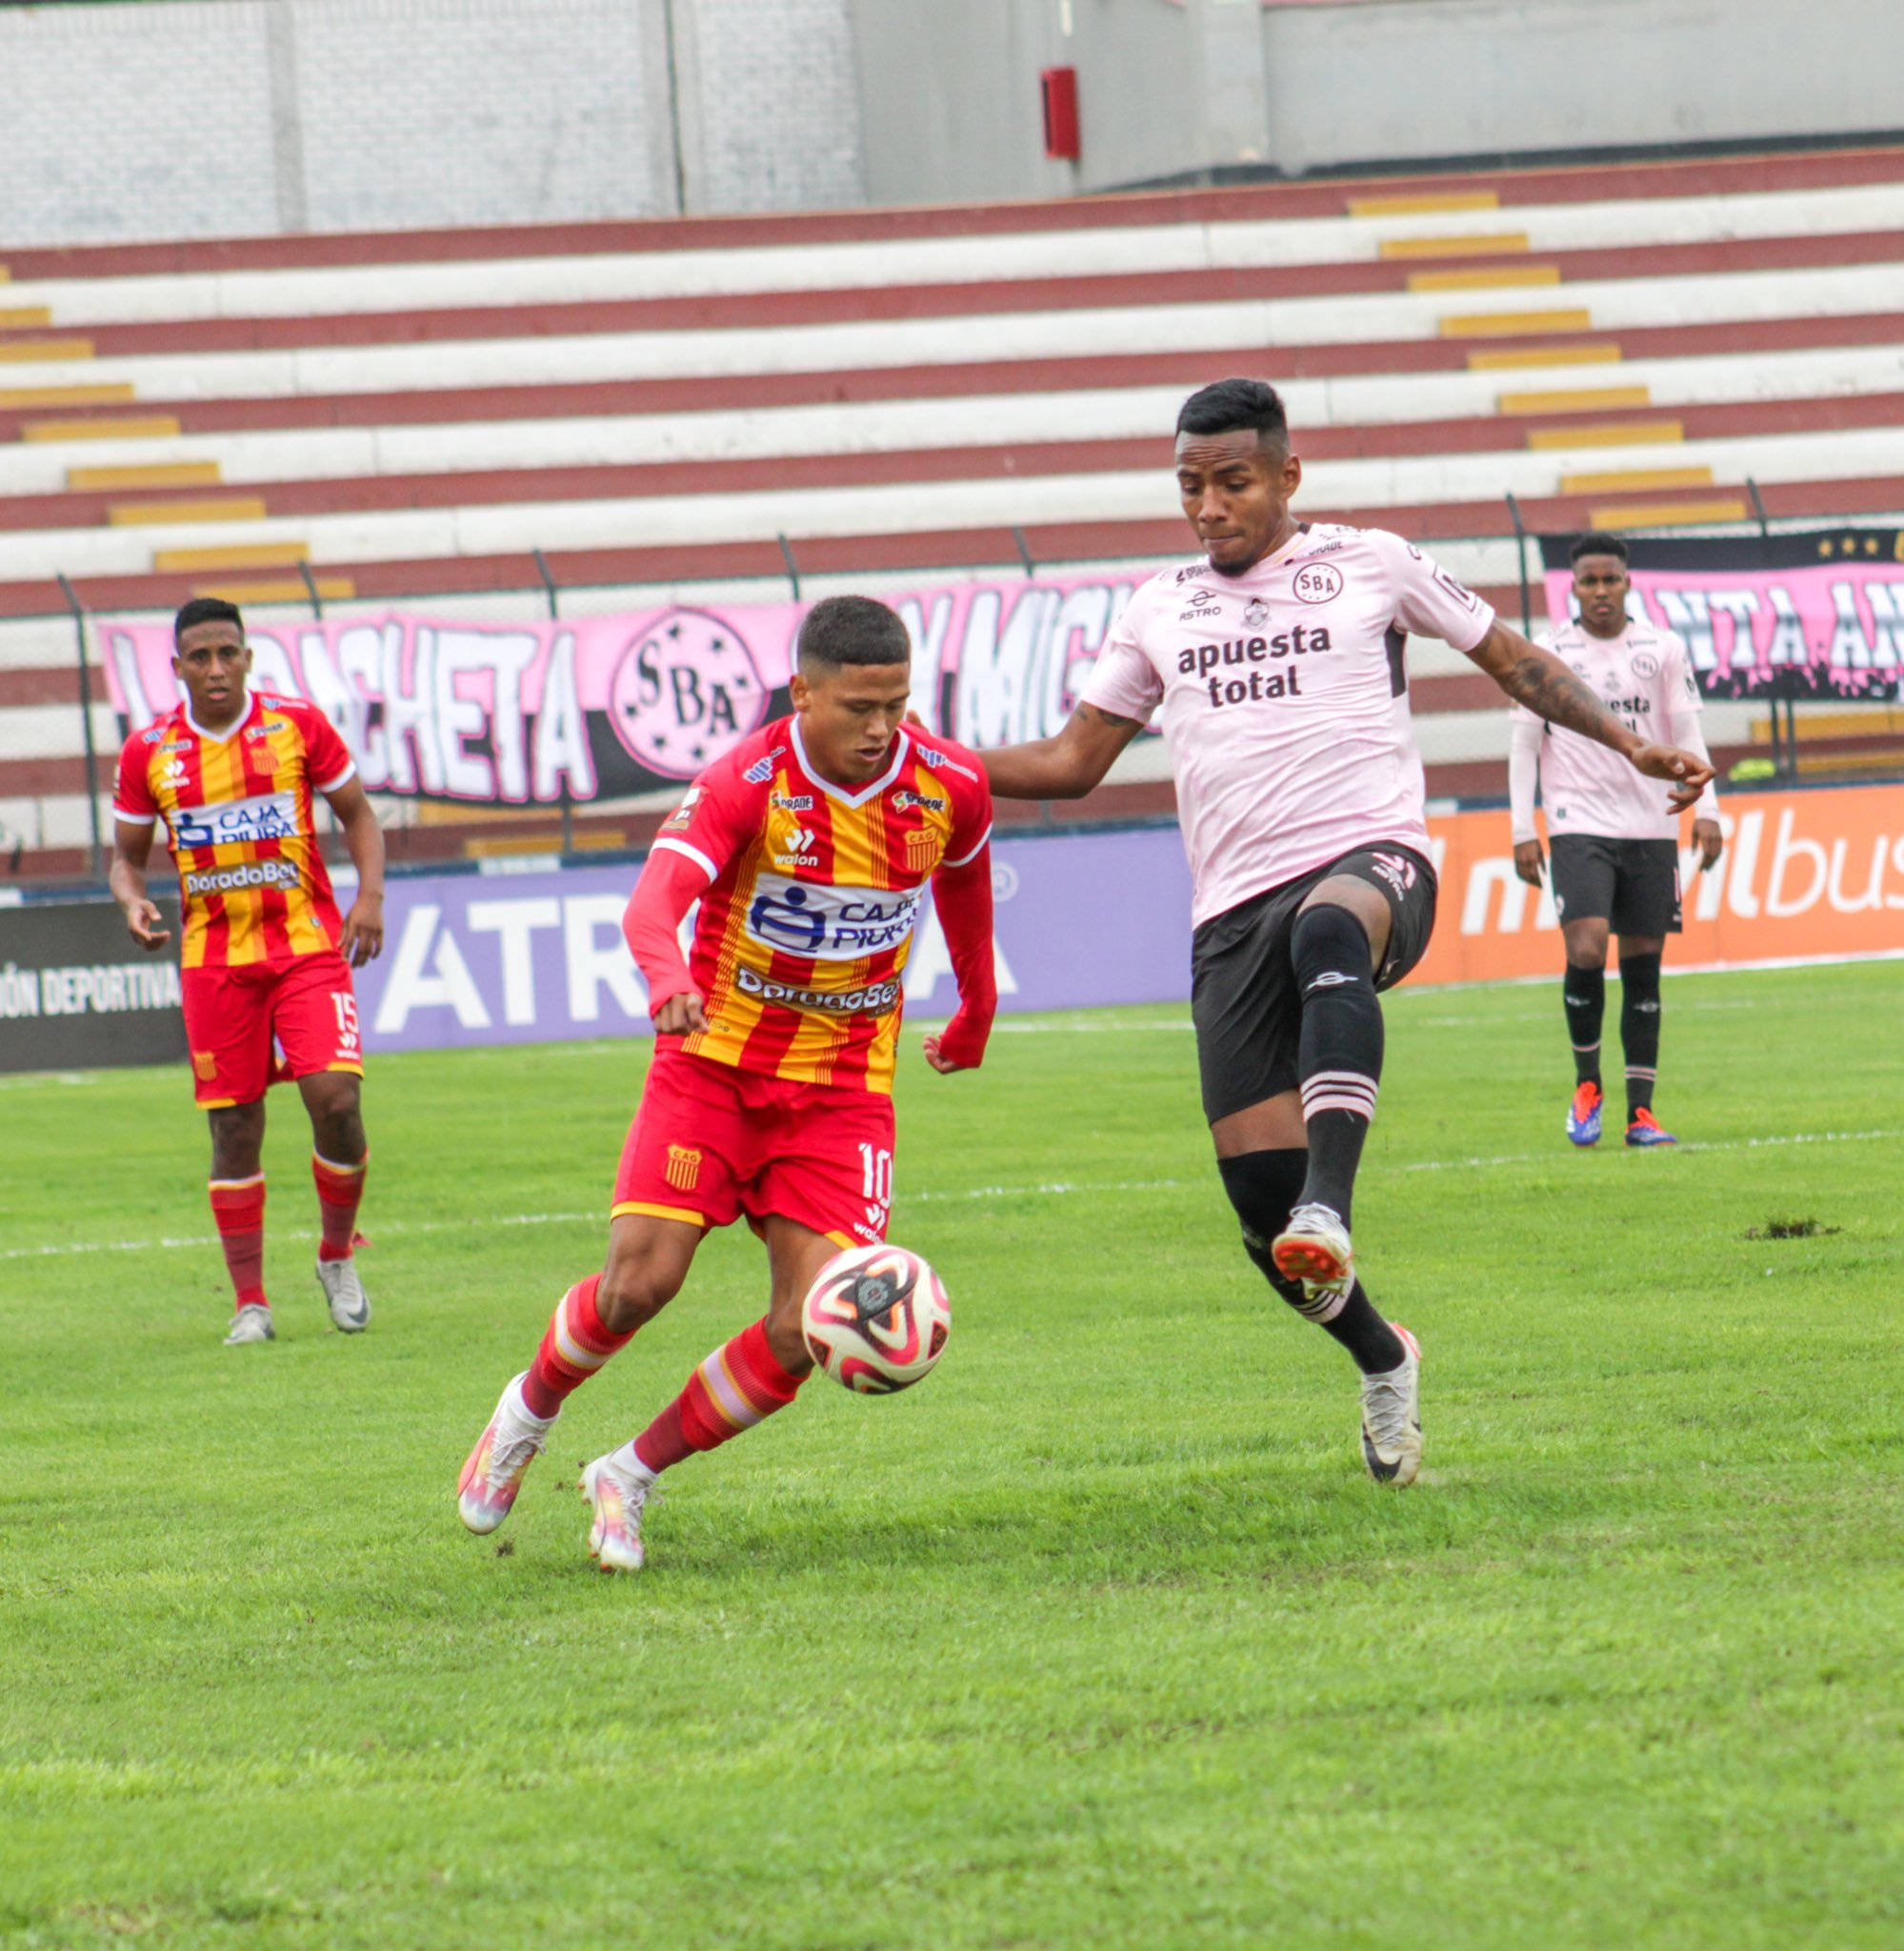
[762,769]
[683,816]
[817,923]
[944,763]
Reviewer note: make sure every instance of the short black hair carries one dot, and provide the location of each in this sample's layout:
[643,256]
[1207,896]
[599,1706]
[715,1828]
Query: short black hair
[205,609]
[1597,543]
[1233,406]
[853,630]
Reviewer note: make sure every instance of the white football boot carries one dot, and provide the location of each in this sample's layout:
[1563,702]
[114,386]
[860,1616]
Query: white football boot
[616,1496]
[1313,1248]
[251,1324]
[493,1471]
[350,1305]
[1391,1418]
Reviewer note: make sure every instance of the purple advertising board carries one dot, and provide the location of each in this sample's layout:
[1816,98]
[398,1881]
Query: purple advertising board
[538,957]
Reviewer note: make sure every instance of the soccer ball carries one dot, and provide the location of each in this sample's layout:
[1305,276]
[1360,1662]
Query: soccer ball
[876,1320]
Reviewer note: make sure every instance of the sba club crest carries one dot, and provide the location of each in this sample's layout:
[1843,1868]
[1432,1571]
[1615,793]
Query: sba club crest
[686,691]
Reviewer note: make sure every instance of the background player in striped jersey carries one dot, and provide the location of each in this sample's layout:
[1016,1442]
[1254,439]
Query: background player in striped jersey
[1277,662]
[1614,833]
[809,848]
[231,773]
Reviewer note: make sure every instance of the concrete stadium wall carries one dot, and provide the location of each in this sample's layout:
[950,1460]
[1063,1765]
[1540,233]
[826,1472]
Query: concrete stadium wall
[950,109]
[249,118]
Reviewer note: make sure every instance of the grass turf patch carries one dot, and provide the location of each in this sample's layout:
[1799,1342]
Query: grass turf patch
[1099,1638]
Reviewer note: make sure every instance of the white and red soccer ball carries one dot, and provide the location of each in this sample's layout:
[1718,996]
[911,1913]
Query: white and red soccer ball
[876,1319]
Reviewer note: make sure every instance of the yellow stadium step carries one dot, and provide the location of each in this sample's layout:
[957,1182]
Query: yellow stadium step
[1509,325]
[1482,244]
[1497,277]
[289,589]
[152,514]
[1884,723]
[1637,481]
[133,427]
[1610,433]
[234,556]
[6,275]
[160,474]
[1598,354]
[26,352]
[1424,205]
[117,394]
[1585,399]
[1668,515]
[502,846]
[25,317]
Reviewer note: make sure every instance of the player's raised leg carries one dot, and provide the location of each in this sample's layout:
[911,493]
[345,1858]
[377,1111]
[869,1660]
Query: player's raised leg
[648,1257]
[740,1384]
[1264,1185]
[1340,935]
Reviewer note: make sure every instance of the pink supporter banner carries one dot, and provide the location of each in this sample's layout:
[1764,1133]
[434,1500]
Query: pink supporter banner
[1813,616]
[605,707]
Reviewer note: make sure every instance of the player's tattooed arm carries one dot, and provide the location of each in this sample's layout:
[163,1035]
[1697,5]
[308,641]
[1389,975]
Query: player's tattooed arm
[1066,766]
[1540,680]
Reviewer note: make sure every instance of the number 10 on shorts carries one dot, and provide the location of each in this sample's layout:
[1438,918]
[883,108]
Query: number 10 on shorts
[876,1174]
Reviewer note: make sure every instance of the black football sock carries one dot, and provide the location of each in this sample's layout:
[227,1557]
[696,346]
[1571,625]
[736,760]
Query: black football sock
[1263,1186]
[1339,1051]
[1639,1030]
[1584,992]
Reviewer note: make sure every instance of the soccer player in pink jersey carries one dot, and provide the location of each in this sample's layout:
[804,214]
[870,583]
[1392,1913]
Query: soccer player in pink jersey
[1614,835]
[1276,661]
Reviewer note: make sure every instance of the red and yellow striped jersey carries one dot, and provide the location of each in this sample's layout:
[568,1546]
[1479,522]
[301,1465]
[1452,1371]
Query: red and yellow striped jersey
[804,932]
[237,808]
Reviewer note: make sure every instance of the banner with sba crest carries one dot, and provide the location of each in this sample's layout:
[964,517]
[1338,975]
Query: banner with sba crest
[508,714]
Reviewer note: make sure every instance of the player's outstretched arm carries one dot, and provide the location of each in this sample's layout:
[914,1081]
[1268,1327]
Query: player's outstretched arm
[1540,680]
[363,936]
[132,852]
[962,898]
[1066,766]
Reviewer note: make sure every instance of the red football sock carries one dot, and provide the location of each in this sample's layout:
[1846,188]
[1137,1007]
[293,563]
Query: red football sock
[238,1206]
[339,1190]
[577,1344]
[737,1386]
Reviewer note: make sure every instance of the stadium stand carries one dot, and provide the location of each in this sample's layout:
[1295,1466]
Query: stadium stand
[903,394]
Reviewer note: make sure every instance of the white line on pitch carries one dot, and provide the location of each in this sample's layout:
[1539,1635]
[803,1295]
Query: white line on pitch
[1048,1189]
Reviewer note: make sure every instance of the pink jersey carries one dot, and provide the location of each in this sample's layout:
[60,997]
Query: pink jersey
[1645,679]
[1285,701]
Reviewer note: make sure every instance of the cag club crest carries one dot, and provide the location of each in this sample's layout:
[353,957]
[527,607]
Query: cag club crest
[686,691]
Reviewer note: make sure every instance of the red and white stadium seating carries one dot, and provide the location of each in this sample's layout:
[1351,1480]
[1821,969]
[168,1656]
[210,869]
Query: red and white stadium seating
[894,393]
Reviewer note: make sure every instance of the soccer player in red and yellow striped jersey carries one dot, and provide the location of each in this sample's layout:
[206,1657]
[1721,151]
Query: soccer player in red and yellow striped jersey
[232,774]
[809,848]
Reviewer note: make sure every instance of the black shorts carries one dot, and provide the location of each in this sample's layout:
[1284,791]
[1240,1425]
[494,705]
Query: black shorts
[1243,995]
[1631,885]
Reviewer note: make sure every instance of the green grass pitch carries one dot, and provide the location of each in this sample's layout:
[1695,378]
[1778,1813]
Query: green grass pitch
[1100,1638]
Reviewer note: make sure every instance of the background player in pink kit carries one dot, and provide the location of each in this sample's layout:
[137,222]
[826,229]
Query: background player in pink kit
[1276,660]
[809,848]
[1614,835]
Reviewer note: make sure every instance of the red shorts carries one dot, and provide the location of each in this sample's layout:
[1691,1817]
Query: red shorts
[711,1142]
[232,1016]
